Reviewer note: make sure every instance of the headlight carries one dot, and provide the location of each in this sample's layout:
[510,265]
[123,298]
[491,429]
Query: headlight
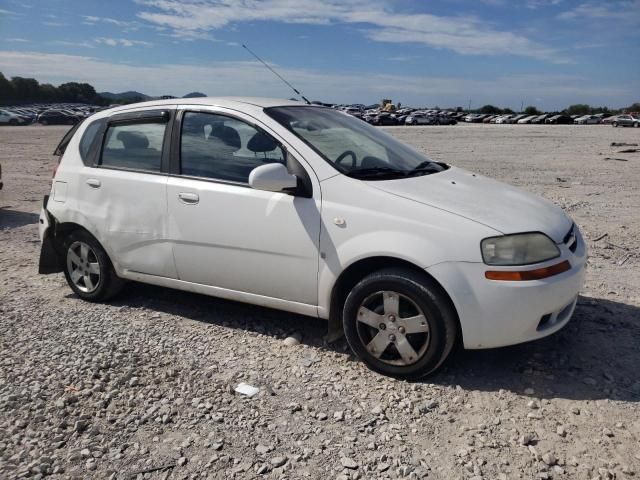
[519,249]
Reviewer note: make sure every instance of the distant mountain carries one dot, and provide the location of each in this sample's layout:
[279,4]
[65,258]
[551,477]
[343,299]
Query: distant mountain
[195,95]
[124,95]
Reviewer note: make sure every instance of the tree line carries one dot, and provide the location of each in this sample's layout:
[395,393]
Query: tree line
[26,90]
[577,109]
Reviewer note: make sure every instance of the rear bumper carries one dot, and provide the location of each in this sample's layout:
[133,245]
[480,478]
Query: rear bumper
[498,313]
[49,256]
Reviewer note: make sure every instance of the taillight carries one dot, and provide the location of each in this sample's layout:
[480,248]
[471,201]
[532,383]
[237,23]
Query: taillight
[55,169]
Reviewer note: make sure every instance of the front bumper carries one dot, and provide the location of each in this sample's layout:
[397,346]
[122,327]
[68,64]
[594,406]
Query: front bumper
[498,313]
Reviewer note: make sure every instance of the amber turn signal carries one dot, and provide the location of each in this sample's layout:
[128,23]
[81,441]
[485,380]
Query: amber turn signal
[537,274]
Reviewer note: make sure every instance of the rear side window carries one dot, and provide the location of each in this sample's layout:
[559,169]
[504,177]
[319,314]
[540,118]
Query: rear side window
[135,146]
[88,138]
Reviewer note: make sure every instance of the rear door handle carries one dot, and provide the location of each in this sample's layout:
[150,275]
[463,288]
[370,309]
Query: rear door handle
[189,198]
[93,182]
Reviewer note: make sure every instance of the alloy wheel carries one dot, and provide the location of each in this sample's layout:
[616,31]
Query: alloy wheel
[83,267]
[393,328]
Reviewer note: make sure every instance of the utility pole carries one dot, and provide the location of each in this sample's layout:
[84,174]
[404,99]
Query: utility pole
[521,106]
[469,109]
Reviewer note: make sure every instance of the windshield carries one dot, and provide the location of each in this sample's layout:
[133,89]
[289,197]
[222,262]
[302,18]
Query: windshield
[352,146]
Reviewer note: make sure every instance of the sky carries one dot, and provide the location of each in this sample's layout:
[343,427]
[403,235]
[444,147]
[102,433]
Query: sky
[447,53]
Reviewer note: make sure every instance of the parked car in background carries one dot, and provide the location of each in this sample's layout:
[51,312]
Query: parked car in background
[57,117]
[10,118]
[446,120]
[421,118]
[502,119]
[516,118]
[28,115]
[558,119]
[323,216]
[417,118]
[475,118]
[587,120]
[540,118]
[626,121]
[383,119]
[526,119]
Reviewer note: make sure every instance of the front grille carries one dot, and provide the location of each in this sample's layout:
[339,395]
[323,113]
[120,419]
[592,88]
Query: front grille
[570,239]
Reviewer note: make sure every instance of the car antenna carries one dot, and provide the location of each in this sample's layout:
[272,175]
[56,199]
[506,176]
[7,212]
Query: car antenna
[277,74]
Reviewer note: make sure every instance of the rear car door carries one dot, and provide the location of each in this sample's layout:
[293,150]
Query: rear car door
[124,190]
[226,234]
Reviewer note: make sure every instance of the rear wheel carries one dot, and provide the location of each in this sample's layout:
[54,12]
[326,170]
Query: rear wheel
[13,121]
[400,323]
[88,270]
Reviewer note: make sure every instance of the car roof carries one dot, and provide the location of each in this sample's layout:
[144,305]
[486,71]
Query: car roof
[230,102]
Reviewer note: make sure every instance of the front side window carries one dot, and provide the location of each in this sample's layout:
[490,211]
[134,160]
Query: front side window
[224,148]
[352,146]
[136,146]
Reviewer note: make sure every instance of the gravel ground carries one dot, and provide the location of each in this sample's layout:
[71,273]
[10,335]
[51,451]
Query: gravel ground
[145,383]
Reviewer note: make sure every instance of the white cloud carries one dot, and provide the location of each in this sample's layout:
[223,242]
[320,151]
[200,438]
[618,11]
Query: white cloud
[465,35]
[126,26]
[625,11]
[251,78]
[533,4]
[7,12]
[65,43]
[121,42]
[17,40]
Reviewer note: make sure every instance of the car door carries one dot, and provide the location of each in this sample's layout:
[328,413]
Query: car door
[226,234]
[122,190]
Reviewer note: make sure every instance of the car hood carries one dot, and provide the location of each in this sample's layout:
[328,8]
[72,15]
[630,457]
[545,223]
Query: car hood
[497,205]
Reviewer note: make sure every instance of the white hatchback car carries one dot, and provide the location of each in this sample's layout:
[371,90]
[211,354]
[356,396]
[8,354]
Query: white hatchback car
[307,209]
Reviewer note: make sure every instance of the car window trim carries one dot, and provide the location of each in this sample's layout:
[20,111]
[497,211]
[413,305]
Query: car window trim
[176,160]
[165,116]
[66,139]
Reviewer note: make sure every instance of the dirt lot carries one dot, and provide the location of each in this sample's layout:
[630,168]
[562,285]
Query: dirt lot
[105,391]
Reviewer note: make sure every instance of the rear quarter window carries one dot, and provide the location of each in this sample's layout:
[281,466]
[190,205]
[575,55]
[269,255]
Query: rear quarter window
[88,138]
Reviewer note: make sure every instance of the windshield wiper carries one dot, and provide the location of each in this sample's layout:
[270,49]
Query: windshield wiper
[376,172]
[425,167]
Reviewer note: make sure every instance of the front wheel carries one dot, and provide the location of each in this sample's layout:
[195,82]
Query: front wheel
[400,323]
[615,124]
[88,270]
[636,125]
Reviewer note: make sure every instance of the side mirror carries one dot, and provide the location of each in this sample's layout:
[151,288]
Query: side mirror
[272,177]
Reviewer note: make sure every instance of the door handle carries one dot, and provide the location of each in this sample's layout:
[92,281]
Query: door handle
[93,182]
[189,198]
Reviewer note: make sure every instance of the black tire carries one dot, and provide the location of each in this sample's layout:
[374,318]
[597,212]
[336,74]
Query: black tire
[636,125]
[43,122]
[425,294]
[13,122]
[615,124]
[108,284]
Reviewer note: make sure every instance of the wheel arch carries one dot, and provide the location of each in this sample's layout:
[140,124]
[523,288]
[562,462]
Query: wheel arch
[54,239]
[355,272]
